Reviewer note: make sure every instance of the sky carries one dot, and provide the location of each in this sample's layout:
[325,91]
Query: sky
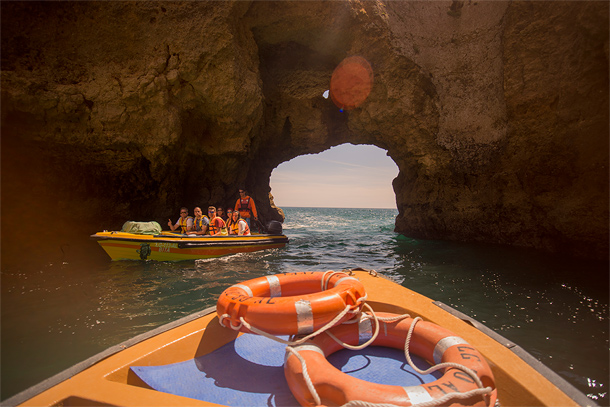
[345,176]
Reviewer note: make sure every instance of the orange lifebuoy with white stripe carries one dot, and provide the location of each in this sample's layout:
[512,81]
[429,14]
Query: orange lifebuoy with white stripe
[291,303]
[428,340]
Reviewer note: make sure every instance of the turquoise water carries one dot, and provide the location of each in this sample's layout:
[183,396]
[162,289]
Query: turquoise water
[60,313]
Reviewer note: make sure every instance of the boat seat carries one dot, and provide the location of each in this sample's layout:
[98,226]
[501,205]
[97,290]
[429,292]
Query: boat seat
[249,371]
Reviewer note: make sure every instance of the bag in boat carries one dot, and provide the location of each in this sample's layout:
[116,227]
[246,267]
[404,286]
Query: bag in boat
[143,228]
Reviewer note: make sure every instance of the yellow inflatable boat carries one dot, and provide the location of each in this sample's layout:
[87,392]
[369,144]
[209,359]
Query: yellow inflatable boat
[168,246]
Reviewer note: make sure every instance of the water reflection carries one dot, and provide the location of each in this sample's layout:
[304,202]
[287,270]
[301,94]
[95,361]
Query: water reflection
[535,300]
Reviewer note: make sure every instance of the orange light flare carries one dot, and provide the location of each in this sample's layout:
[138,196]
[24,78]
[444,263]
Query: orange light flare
[351,82]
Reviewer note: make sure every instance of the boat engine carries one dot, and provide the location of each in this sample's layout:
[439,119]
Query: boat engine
[274,227]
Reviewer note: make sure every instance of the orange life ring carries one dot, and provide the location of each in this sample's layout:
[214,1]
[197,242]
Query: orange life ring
[291,303]
[428,341]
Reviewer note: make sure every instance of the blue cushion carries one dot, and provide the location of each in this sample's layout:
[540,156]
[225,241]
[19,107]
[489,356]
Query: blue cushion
[249,371]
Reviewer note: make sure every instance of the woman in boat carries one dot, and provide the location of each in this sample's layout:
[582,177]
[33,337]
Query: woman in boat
[217,226]
[229,220]
[200,223]
[185,222]
[221,213]
[238,225]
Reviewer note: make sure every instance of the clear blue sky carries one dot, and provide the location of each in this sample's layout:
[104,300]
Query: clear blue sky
[345,176]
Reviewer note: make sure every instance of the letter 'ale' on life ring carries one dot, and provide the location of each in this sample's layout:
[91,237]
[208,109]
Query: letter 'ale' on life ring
[351,82]
[428,341]
[292,303]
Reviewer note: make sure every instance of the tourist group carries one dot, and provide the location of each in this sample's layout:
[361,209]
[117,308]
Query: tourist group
[217,223]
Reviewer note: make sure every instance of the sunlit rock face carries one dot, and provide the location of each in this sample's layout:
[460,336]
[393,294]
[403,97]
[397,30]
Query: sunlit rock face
[495,113]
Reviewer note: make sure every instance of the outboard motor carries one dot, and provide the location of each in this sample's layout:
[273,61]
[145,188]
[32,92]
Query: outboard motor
[274,227]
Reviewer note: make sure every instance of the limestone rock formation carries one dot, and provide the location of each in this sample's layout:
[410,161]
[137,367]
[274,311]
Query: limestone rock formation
[496,113]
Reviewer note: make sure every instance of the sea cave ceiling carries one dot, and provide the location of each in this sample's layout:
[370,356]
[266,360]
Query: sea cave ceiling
[496,113]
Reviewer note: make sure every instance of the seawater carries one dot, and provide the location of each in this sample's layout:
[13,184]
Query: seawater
[61,313]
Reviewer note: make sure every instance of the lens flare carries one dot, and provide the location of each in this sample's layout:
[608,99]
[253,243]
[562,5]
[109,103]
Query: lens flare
[351,82]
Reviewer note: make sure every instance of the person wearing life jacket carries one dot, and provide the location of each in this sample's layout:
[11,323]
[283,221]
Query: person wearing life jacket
[229,220]
[246,207]
[200,223]
[184,223]
[217,226]
[221,213]
[229,216]
[238,226]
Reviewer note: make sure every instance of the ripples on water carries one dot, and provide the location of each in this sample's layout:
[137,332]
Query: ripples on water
[60,314]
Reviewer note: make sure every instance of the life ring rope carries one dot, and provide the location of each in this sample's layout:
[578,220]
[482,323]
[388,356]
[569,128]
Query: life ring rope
[438,366]
[291,303]
[310,385]
[481,391]
[326,280]
[244,323]
[367,343]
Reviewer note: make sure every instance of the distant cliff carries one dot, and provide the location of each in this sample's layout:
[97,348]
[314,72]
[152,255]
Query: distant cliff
[496,113]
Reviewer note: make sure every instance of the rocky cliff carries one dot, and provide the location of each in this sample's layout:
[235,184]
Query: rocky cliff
[495,113]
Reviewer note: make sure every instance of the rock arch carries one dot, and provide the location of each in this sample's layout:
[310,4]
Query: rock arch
[496,113]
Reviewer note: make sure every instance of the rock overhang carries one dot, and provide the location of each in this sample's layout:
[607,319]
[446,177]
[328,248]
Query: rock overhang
[192,100]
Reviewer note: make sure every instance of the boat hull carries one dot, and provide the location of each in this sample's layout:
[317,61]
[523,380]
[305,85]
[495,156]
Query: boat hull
[109,379]
[172,247]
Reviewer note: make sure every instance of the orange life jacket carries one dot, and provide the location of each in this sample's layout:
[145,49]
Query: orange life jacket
[214,226]
[244,207]
[235,228]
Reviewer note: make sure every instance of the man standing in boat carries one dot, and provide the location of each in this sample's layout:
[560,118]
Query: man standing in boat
[246,207]
[185,222]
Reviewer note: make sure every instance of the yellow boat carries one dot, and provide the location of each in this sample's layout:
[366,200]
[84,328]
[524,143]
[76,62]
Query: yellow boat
[197,362]
[168,246]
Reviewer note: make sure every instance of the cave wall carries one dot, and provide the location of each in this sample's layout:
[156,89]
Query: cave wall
[523,115]
[496,113]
